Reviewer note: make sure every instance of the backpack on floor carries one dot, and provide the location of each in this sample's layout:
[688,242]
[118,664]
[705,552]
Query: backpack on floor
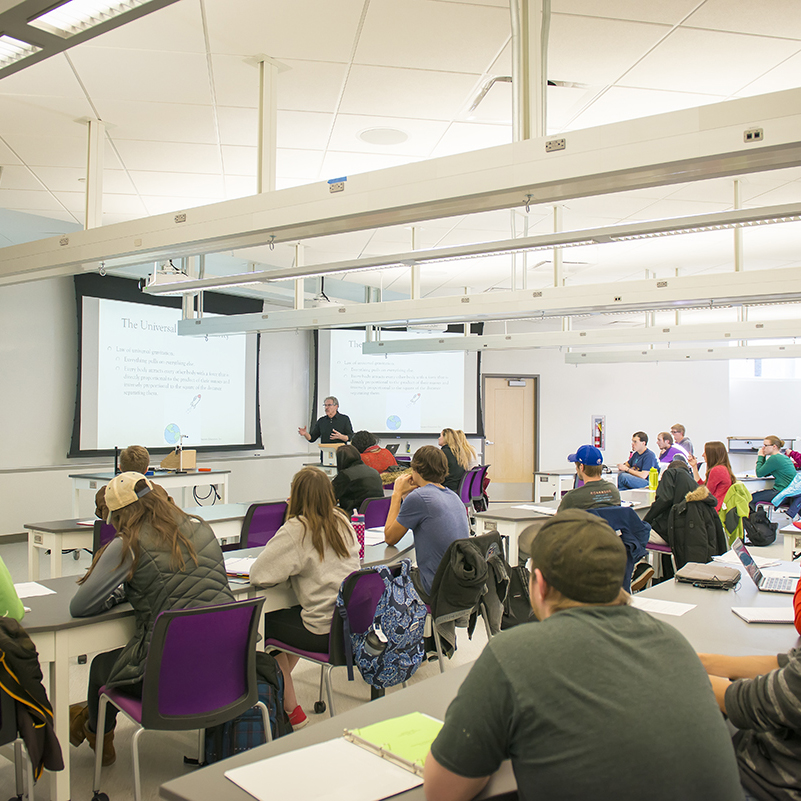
[247,731]
[392,648]
[758,529]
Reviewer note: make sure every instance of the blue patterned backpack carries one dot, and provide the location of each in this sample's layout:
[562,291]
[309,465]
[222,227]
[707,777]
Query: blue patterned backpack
[388,649]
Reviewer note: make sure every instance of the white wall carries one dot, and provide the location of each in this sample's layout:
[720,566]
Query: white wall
[634,397]
[38,365]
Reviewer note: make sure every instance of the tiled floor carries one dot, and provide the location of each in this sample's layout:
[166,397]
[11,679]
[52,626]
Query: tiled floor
[162,753]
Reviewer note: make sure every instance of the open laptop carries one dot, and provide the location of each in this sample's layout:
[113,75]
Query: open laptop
[764,583]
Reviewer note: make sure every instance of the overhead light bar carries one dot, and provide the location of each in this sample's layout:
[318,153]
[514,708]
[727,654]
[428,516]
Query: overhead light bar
[723,353]
[696,223]
[41,28]
[703,332]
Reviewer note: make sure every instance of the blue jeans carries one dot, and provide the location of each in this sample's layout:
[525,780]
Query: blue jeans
[628,481]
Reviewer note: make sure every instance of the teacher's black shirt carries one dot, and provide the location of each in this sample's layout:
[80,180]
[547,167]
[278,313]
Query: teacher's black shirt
[325,425]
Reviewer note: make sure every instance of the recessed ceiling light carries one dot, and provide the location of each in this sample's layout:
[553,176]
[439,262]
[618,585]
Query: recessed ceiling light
[383,136]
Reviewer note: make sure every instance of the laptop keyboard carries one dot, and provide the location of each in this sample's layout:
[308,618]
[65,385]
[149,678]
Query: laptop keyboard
[778,584]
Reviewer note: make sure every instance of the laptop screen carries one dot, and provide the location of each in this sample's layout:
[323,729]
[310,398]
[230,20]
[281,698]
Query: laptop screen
[738,546]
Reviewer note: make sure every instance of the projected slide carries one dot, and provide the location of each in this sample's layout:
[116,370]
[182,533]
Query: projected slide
[397,393]
[142,383]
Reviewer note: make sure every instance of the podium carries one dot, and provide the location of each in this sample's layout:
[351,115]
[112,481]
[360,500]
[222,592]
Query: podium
[329,453]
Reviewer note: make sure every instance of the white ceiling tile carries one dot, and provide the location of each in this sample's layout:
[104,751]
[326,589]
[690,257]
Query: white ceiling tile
[563,103]
[496,105]
[425,94]
[236,83]
[303,129]
[49,150]
[74,202]
[62,179]
[28,200]
[239,160]
[52,77]
[239,186]
[304,164]
[423,135]
[129,205]
[169,156]
[669,207]
[620,103]
[691,60]
[55,115]
[117,182]
[670,12]
[158,122]
[503,63]
[303,29]
[111,219]
[15,177]
[238,126]
[786,75]
[310,85]
[158,76]
[7,156]
[337,164]
[761,196]
[597,51]
[177,27]
[431,35]
[178,184]
[767,17]
[465,136]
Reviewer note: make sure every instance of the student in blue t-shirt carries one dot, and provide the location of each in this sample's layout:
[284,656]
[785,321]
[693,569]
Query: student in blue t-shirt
[633,474]
[434,513]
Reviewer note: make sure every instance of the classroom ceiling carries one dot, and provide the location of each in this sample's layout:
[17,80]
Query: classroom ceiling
[179,94]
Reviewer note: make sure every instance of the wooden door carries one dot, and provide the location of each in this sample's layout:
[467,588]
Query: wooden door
[510,428]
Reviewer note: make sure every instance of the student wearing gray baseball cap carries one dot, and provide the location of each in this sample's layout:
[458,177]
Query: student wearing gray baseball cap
[597,700]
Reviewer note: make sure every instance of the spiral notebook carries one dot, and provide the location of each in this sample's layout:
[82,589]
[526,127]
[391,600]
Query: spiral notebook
[765,614]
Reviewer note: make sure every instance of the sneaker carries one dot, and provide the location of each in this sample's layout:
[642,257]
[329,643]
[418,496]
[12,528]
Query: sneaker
[643,573]
[297,717]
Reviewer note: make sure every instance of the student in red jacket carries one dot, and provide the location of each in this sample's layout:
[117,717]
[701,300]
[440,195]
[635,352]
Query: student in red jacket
[719,475]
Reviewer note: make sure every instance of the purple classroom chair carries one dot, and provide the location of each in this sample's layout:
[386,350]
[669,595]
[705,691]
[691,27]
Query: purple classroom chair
[261,522]
[375,511]
[200,671]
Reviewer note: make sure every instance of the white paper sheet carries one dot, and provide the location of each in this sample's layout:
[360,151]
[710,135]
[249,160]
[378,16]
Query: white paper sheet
[30,589]
[765,614]
[240,565]
[531,507]
[350,774]
[662,607]
[731,558]
[374,536]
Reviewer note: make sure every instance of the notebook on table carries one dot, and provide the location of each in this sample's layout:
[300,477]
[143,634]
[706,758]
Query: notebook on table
[764,583]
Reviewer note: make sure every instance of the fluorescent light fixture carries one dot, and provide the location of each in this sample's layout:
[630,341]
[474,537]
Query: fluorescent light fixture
[78,15]
[722,353]
[697,223]
[12,50]
[37,29]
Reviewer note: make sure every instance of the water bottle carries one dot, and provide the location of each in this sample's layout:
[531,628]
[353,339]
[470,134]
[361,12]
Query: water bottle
[357,521]
[653,479]
[376,642]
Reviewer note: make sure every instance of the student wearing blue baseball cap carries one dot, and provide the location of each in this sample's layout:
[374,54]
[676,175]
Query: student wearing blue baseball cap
[596,492]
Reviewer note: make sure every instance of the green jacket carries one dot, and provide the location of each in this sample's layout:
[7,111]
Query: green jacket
[734,509]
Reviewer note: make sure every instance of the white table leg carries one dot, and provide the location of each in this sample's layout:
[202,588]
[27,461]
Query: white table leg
[33,557]
[55,555]
[224,489]
[76,497]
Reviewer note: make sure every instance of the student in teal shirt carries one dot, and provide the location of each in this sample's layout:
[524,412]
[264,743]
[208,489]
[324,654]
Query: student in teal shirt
[772,462]
[10,604]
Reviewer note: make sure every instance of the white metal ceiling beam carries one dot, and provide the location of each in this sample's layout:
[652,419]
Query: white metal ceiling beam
[709,290]
[708,332]
[787,212]
[688,145]
[723,353]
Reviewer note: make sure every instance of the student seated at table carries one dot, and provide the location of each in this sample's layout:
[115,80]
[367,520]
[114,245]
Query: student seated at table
[161,559]
[372,453]
[133,459]
[633,473]
[595,491]
[598,700]
[467,448]
[458,458]
[10,604]
[668,450]
[719,475]
[772,462]
[316,549]
[354,481]
[434,513]
[761,696]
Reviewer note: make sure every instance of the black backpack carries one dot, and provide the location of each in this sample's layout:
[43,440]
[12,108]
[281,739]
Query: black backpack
[758,529]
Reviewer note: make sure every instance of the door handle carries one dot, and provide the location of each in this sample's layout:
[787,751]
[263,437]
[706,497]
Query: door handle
[487,442]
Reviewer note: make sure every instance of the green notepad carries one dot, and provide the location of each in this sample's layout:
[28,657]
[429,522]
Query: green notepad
[406,739]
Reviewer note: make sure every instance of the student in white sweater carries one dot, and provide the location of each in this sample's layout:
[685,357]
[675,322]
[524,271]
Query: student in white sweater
[315,549]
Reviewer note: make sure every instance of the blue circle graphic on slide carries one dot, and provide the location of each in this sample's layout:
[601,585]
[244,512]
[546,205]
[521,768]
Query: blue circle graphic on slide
[393,422]
[172,434]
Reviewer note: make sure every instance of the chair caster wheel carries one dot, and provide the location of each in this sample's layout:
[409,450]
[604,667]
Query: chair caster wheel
[319,707]
[99,797]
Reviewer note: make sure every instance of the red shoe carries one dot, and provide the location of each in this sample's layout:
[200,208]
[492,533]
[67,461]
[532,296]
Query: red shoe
[797,523]
[297,717]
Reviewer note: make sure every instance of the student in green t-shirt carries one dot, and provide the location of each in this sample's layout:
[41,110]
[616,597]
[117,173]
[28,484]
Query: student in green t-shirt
[772,462]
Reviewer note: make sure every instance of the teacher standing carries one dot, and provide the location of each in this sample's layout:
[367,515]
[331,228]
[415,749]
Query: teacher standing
[332,427]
